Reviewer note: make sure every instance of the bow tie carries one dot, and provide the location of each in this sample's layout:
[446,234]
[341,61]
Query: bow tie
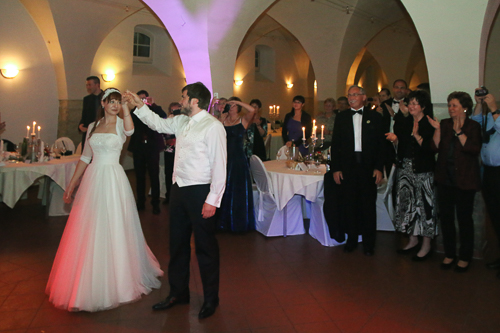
[360,111]
[395,102]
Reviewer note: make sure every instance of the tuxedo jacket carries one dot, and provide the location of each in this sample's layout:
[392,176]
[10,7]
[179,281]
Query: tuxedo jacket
[386,116]
[372,138]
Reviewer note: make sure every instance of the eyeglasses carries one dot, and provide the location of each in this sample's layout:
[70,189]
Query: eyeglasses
[354,95]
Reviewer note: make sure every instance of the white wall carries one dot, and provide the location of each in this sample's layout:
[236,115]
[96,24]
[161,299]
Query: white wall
[115,52]
[289,66]
[32,95]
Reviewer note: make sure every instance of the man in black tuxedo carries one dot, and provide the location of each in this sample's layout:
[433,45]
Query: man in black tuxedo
[358,152]
[146,145]
[390,108]
[90,105]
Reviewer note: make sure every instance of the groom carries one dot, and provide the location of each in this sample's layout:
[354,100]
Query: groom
[198,183]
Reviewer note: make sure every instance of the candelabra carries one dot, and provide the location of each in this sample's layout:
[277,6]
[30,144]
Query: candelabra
[312,144]
[273,117]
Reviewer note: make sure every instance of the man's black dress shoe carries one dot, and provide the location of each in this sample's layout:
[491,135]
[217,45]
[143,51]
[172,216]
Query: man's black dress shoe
[494,265]
[447,266]
[407,251]
[368,253]
[207,309]
[417,258]
[170,301]
[141,206]
[156,210]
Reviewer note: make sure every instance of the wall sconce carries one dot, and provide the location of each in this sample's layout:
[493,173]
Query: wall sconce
[289,85]
[238,82]
[9,72]
[109,76]
[315,84]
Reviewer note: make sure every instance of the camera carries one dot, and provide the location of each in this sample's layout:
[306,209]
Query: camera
[176,112]
[226,108]
[481,92]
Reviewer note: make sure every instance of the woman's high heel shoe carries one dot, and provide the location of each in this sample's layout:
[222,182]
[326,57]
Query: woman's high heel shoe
[407,251]
[447,266]
[417,258]
[460,269]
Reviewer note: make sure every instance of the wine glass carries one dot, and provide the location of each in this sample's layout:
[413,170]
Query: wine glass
[63,150]
[317,163]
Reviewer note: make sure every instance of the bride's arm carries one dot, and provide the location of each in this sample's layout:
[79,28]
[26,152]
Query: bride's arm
[80,169]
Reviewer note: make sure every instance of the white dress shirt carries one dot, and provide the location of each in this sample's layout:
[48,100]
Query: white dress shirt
[200,153]
[357,120]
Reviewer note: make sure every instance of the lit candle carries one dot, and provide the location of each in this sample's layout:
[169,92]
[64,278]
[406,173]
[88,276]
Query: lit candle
[278,110]
[270,109]
[27,131]
[303,133]
[314,131]
[314,123]
[274,108]
[39,127]
[322,129]
[34,124]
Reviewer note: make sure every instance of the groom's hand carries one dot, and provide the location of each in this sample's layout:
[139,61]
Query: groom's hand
[207,211]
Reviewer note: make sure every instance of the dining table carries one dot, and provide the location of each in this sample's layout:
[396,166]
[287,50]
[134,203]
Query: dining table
[53,177]
[288,183]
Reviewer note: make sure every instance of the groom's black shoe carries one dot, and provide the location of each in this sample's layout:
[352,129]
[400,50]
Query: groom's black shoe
[207,309]
[170,301]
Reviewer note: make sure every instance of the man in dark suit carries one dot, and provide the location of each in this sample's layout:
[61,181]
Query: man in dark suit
[90,105]
[146,145]
[390,108]
[358,152]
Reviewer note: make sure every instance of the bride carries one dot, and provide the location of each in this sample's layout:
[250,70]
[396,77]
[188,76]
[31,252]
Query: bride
[103,259]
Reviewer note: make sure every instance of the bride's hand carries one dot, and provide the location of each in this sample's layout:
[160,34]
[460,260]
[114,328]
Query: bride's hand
[134,99]
[67,197]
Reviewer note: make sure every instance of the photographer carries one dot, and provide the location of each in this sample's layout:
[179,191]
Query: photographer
[487,114]
[145,146]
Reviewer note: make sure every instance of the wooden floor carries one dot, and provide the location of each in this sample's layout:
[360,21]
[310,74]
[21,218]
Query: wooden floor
[278,285]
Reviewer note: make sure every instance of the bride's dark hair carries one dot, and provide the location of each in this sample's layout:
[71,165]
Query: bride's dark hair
[100,110]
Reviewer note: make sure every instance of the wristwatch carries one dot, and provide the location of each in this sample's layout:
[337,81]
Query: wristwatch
[458,134]
[496,112]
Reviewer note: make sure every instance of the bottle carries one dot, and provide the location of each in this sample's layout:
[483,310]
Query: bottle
[328,158]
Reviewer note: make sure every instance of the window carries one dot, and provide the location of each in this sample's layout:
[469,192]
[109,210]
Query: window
[257,60]
[143,45]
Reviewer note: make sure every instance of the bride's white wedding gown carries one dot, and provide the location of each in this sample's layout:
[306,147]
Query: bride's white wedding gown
[103,259]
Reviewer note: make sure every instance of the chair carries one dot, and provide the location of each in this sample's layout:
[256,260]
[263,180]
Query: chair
[270,220]
[67,143]
[385,208]
[281,155]
[9,146]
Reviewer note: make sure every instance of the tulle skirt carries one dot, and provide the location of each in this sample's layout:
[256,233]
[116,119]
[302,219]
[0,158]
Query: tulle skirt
[103,259]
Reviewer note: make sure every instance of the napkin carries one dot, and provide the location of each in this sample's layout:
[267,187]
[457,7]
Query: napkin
[301,166]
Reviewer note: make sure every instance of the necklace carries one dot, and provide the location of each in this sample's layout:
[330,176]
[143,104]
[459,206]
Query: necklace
[232,122]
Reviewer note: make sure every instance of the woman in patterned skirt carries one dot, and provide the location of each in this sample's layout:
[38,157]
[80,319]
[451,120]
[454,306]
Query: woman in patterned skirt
[415,204]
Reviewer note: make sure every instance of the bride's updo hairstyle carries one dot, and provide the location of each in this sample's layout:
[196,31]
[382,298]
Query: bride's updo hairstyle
[106,96]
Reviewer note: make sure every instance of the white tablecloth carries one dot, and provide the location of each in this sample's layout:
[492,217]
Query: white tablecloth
[286,183]
[15,178]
